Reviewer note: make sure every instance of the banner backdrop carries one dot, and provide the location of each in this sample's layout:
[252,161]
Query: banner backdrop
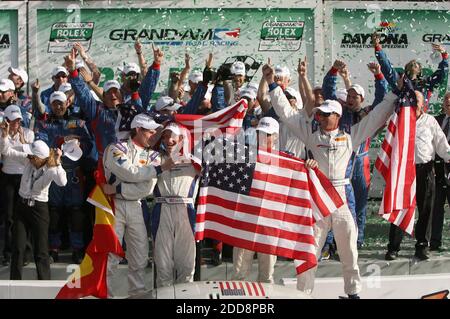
[109,35]
[8,39]
[405,35]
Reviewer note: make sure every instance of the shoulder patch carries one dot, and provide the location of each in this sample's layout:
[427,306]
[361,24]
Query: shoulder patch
[121,147]
[153,156]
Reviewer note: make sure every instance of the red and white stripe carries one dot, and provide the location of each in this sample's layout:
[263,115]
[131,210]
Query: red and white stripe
[228,119]
[277,216]
[396,163]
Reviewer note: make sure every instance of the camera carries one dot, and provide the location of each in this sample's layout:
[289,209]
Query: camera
[251,67]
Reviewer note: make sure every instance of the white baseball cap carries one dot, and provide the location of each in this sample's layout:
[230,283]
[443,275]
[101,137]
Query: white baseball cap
[111,84]
[282,71]
[59,69]
[329,106]
[196,76]
[166,103]
[37,148]
[247,92]
[174,128]
[144,121]
[317,87]
[358,89]
[131,67]
[341,94]
[238,68]
[20,72]
[65,87]
[72,150]
[13,112]
[268,125]
[7,85]
[58,96]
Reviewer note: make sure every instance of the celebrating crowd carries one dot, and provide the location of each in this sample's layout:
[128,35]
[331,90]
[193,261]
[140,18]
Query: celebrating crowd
[60,142]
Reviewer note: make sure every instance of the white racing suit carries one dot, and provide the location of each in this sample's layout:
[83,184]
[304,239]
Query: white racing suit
[243,261]
[173,222]
[133,170]
[332,151]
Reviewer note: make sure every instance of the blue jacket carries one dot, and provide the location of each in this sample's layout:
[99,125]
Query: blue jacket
[101,118]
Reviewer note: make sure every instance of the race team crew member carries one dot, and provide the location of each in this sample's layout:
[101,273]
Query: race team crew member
[358,169]
[173,216]
[128,164]
[332,149]
[58,128]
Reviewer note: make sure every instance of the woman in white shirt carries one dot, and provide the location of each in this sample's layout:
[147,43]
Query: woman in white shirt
[12,170]
[31,214]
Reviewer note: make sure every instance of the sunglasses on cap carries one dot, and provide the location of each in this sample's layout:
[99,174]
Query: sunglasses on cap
[323,114]
[60,75]
[131,75]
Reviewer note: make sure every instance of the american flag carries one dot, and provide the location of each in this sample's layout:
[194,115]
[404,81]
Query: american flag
[269,205]
[396,163]
[228,120]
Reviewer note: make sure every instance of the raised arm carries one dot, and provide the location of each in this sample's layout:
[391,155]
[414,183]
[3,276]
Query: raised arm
[185,72]
[387,69]
[36,103]
[88,78]
[87,102]
[141,58]
[150,81]
[441,73]
[345,75]
[263,96]
[304,86]
[89,62]
[330,80]
[381,84]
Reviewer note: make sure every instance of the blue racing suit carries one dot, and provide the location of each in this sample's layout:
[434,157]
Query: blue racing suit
[52,131]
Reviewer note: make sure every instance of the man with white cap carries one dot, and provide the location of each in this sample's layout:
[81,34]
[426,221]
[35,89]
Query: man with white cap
[353,111]
[12,170]
[104,117]
[67,200]
[332,149]
[165,105]
[59,76]
[173,216]
[7,93]
[131,169]
[268,132]
[31,215]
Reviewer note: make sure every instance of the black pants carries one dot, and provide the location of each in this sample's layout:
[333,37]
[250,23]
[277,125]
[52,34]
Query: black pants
[11,184]
[425,189]
[36,220]
[442,194]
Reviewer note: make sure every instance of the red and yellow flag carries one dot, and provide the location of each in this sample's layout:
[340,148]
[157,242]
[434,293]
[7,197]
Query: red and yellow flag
[91,279]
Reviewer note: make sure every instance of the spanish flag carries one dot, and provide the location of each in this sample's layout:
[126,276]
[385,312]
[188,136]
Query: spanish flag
[91,279]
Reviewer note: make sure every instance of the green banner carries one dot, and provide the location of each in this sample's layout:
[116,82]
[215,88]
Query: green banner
[109,36]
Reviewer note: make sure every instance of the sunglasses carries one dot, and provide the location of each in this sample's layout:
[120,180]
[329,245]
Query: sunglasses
[58,76]
[323,114]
